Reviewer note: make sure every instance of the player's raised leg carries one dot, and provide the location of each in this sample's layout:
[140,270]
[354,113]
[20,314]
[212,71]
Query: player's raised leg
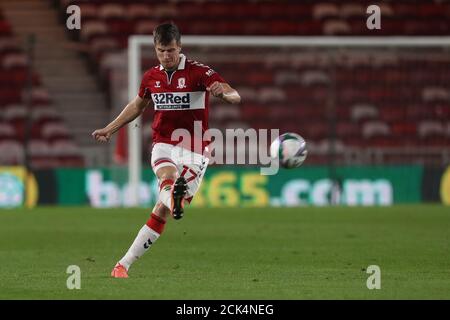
[172,187]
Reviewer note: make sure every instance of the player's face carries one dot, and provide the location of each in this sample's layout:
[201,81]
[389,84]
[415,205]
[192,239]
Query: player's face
[168,55]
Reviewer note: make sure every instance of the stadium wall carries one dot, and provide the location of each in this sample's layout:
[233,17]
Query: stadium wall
[232,187]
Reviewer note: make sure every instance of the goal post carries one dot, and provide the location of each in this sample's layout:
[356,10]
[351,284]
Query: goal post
[136,42]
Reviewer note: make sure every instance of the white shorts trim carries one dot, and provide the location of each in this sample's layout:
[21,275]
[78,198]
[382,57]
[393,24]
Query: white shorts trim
[161,163]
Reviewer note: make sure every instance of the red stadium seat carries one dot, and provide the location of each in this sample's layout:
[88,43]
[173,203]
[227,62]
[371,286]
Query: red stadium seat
[139,11]
[111,11]
[11,152]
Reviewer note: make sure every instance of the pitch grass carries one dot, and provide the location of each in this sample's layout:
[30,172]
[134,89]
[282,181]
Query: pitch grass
[298,253]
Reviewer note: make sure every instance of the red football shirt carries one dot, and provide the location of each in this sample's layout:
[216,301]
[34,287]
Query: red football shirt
[179,99]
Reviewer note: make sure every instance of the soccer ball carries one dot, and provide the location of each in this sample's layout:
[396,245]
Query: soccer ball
[290,149]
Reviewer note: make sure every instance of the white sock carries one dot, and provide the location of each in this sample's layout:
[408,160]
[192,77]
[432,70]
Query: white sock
[165,195]
[145,238]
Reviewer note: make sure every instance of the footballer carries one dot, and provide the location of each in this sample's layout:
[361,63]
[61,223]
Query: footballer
[179,89]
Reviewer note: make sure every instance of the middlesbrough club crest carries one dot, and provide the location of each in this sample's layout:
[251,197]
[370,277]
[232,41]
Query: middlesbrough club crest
[181,83]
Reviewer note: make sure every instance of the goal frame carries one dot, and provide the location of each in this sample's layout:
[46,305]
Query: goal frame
[134,71]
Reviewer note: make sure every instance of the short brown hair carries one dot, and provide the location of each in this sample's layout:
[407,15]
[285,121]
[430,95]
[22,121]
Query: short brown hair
[165,33]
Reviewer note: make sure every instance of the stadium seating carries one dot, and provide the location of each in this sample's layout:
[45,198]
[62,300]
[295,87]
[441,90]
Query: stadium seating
[116,20]
[371,110]
[290,94]
[14,114]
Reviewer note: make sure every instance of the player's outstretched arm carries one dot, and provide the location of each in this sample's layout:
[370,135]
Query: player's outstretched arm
[225,92]
[132,110]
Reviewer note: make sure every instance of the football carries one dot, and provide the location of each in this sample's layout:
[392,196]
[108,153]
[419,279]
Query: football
[290,149]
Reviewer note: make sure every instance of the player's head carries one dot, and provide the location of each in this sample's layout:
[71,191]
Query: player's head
[167,39]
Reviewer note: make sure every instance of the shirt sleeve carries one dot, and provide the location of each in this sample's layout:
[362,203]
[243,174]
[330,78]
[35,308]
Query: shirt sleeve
[208,76]
[144,88]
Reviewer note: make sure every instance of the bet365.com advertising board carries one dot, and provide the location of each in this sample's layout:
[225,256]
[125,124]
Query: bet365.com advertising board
[232,187]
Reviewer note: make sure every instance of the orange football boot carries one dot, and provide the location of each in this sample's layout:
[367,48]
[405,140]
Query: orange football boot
[119,271]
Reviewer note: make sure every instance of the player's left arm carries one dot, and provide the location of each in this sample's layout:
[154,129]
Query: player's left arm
[224,91]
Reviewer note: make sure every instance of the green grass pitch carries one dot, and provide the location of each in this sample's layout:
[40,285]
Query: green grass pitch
[291,253]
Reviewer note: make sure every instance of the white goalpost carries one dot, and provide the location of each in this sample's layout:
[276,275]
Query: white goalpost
[135,44]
